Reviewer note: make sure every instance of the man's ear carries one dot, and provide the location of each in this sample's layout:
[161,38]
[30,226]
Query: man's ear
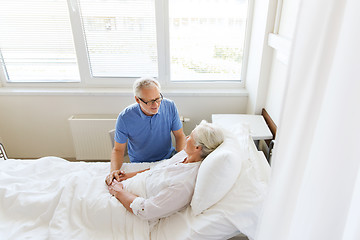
[137,99]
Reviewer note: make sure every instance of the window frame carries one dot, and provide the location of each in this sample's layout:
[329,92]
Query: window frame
[162,28]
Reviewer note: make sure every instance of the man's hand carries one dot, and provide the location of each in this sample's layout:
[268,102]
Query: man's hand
[116,174]
[125,176]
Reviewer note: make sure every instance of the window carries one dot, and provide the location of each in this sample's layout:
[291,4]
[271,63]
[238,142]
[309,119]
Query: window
[206,39]
[120,37]
[113,41]
[36,43]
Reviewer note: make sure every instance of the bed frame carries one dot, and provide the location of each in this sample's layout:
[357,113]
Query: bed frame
[273,128]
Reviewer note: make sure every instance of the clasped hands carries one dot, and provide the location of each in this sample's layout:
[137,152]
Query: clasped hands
[115,187]
[118,175]
[113,180]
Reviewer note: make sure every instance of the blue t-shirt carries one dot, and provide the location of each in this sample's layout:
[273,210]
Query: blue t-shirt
[149,137]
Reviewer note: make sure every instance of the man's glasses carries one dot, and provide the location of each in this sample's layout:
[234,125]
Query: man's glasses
[158,100]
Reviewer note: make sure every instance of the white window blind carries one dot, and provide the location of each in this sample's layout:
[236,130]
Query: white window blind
[36,43]
[207,39]
[177,41]
[120,37]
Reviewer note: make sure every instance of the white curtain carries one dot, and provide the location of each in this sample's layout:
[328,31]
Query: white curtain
[315,187]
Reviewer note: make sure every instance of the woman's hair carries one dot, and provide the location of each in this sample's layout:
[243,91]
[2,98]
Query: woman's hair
[145,82]
[208,136]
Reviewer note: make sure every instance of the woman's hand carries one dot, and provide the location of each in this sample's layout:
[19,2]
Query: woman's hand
[117,190]
[116,174]
[115,187]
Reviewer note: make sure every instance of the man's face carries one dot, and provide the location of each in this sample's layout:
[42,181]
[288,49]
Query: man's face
[147,95]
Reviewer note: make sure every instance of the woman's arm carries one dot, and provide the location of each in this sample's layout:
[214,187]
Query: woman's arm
[168,201]
[125,176]
[120,176]
[126,198]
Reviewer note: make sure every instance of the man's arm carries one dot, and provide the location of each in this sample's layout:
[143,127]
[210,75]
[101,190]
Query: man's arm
[179,139]
[117,156]
[117,159]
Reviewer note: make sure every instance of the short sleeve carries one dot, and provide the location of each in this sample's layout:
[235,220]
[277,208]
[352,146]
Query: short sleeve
[176,123]
[121,133]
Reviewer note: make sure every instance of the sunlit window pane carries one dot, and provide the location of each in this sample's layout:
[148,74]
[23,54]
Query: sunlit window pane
[120,37]
[207,39]
[36,43]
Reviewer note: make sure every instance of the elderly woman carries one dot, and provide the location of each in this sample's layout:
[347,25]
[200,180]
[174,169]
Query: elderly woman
[170,184]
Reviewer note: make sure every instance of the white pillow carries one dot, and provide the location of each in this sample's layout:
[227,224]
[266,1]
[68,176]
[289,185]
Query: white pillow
[238,210]
[242,205]
[220,169]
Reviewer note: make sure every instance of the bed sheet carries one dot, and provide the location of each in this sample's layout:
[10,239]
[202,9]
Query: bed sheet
[51,198]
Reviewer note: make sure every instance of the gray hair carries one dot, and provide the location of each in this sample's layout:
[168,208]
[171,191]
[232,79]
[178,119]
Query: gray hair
[145,82]
[208,136]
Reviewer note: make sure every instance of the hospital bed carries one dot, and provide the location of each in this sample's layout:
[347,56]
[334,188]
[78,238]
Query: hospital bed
[52,198]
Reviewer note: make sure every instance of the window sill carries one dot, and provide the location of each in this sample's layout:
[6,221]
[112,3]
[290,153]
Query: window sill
[117,92]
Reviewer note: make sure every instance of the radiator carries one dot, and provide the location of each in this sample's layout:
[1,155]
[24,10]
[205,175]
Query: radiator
[91,136]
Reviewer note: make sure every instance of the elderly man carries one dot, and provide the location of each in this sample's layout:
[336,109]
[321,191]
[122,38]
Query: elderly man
[146,127]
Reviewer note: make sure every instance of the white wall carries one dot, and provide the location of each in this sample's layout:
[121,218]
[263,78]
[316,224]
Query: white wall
[278,74]
[276,89]
[33,125]
[260,55]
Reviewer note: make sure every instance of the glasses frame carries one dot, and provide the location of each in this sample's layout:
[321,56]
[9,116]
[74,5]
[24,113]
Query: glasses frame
[158,100]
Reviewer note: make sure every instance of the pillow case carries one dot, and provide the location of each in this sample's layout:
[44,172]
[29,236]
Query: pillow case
[219,170]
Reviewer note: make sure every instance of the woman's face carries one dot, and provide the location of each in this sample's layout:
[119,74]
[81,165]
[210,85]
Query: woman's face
[190,147]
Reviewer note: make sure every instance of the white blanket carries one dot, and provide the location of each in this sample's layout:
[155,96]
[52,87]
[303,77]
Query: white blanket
[51,198]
